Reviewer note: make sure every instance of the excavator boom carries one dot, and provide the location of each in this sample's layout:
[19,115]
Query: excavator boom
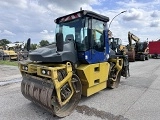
[131,37]
[137,51]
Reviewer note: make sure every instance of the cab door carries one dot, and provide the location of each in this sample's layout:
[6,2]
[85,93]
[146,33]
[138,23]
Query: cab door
[98,41]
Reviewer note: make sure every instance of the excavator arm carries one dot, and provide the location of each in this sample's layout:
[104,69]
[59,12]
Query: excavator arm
[130,47]
[131,37]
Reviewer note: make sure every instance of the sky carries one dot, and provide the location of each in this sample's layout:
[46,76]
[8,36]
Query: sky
[23,19]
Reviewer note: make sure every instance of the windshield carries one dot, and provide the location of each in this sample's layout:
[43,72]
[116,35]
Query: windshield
[74,30]
[140,46]
[118,41]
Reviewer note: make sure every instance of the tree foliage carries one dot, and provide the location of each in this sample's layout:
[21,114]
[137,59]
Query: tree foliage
[43,43]
[3,42]
[33,46]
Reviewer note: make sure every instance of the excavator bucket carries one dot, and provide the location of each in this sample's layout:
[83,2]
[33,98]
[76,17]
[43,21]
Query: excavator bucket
[131,56]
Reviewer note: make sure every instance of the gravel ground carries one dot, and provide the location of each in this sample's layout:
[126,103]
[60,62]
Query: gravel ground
[136,98]
[9,73]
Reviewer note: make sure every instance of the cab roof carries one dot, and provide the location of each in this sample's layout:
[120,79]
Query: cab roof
[81,14]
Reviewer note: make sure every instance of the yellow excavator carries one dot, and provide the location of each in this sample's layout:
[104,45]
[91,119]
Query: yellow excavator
[13,51]
[9,52]
[137,51]
[116,44]
[81,62]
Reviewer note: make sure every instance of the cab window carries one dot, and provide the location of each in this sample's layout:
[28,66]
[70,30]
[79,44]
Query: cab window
[97,35]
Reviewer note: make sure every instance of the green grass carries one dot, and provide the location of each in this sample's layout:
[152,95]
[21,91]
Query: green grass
[7,62]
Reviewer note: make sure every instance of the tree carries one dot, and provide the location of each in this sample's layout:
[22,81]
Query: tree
[53,42]
[33,46]
[43,43]
[3,42]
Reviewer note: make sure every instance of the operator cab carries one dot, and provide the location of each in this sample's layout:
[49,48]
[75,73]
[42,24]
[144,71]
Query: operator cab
[141,46]
[115,44]
[89,32]
[80,36]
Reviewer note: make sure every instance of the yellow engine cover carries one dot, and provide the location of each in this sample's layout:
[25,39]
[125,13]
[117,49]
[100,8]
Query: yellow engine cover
[10,52]
[93,77]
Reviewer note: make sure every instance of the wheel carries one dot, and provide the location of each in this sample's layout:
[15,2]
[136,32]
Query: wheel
[20,57]
[147,57]
[152,56]
[1,53]
[6,58]
[114,84]
[142,57]
[73,102]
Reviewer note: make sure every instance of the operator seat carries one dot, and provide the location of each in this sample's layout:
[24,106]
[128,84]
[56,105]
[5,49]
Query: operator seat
[69,38]
[85,41]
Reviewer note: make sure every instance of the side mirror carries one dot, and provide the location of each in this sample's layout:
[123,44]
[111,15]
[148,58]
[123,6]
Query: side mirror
[28,44]
[59,42]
